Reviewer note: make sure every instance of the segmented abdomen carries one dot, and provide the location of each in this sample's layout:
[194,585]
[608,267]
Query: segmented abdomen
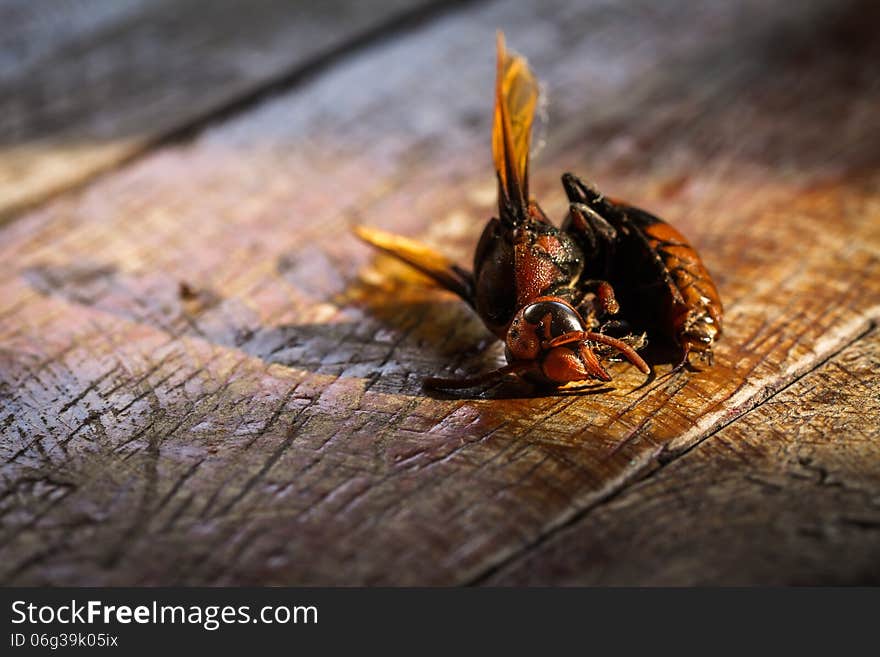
[685,267]
[691,287]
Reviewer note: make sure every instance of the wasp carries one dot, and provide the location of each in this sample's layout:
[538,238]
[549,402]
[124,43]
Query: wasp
[551,293]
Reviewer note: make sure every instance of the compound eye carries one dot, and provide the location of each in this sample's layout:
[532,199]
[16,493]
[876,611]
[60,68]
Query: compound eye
[553,318]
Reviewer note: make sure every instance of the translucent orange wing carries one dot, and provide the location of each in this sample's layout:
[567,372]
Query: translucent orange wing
[516,98]
[426,260]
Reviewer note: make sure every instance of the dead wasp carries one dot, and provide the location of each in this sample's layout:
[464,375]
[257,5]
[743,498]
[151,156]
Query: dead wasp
[547,292]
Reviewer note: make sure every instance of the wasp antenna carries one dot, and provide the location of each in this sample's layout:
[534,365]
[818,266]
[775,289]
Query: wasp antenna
[652,376]
[622,347]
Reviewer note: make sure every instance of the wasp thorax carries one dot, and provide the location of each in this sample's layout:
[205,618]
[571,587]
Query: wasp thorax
[536,324]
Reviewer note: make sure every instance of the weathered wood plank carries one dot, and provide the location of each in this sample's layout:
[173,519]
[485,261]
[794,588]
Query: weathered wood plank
[789,494]
[270,427]
[121,77]
[32,30]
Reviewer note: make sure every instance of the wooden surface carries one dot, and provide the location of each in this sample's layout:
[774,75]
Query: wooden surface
[788,494]
[268,426]
[87,85]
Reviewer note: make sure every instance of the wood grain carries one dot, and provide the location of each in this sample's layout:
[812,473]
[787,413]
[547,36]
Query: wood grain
[85,86]
[789,494]
[207,380]
[35,30]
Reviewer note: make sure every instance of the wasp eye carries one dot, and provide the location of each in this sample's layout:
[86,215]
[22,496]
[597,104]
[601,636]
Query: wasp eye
[562,317]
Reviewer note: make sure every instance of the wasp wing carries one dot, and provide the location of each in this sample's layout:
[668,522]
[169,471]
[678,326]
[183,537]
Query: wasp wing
[435,265]
[516,98]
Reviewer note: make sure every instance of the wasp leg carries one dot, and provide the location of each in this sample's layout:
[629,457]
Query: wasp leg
[596,302]
[582,193]
[481,379]
[617,328]
[637,341]
[706,357]
[596,237]
[435,265]
[686,364]
[601,338]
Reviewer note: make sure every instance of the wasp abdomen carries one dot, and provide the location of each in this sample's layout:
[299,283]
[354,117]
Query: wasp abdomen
[694,305]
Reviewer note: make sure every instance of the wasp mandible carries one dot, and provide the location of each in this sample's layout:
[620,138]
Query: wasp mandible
[549,293]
